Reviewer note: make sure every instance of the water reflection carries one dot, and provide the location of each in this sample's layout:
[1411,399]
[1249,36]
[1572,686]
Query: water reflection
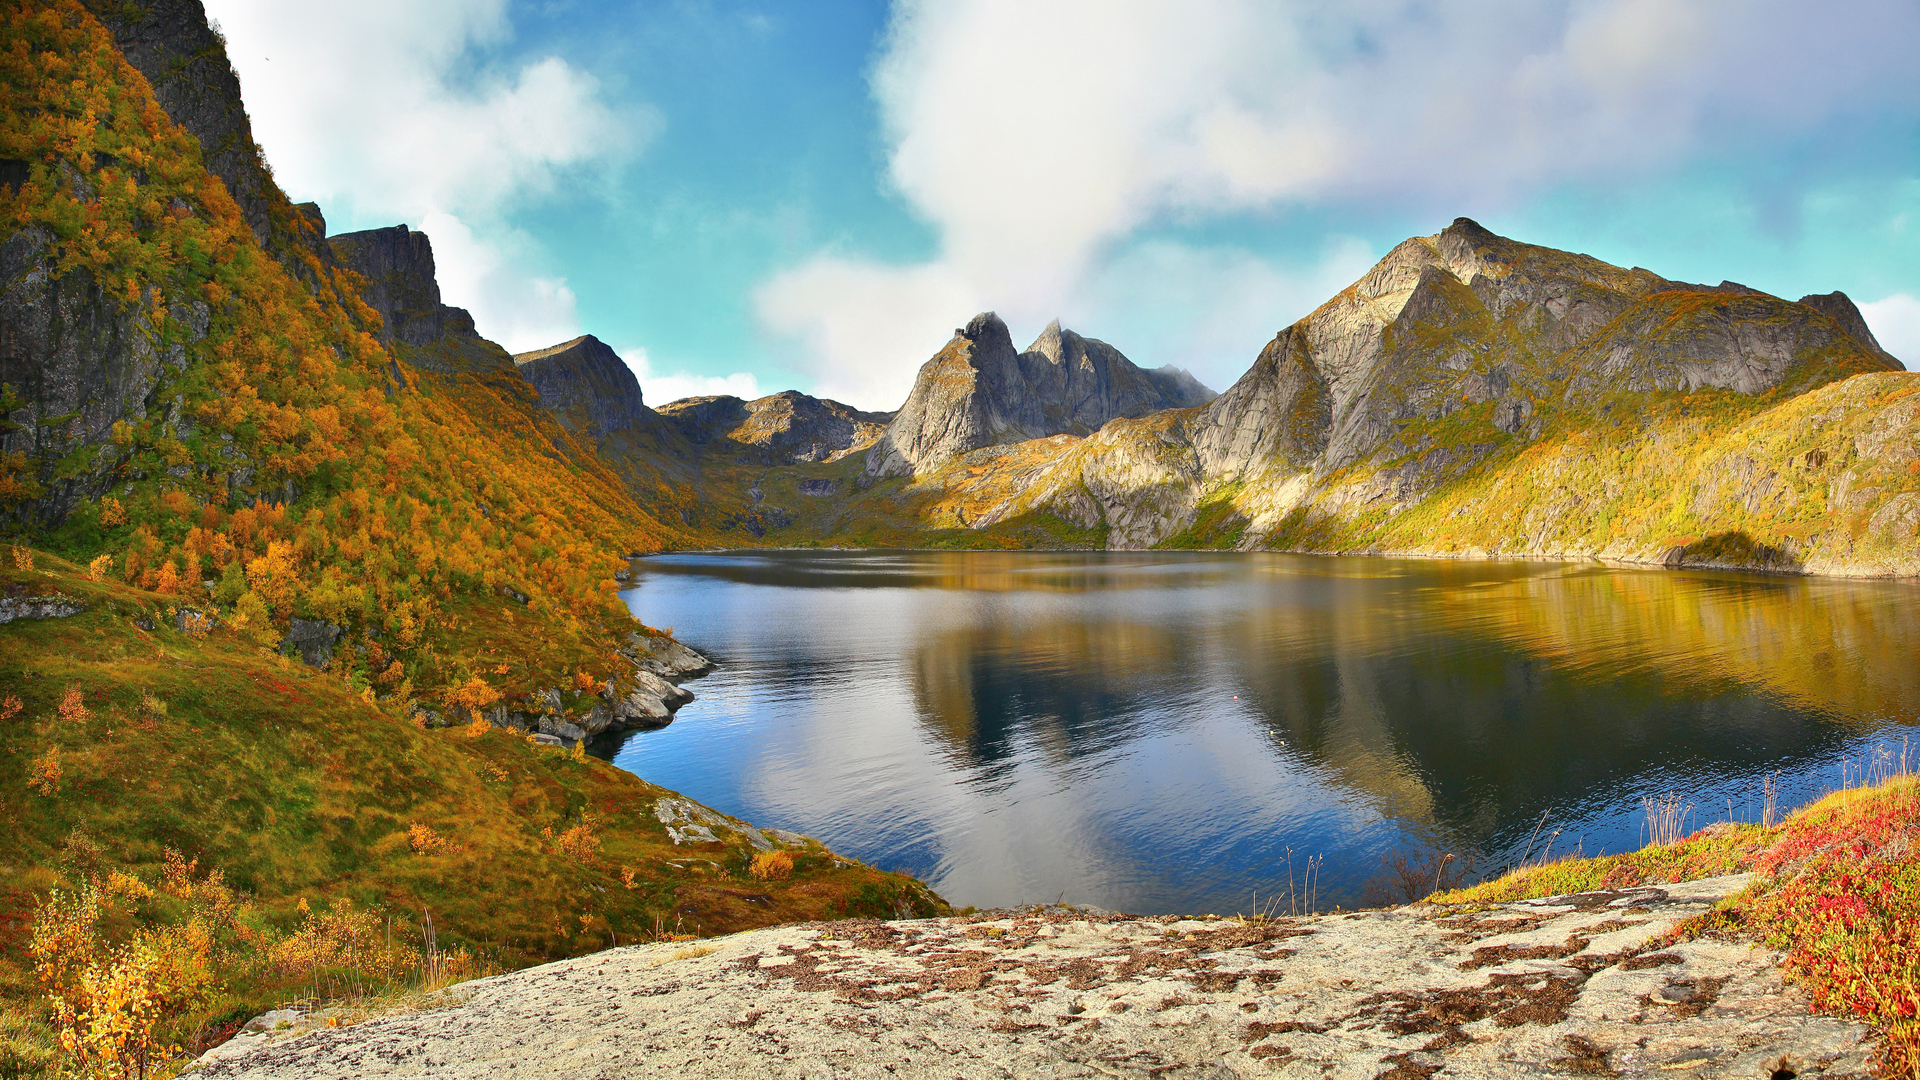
[1152,732]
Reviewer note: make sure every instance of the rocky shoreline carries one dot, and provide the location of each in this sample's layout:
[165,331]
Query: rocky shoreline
[1575,985]
[644,700]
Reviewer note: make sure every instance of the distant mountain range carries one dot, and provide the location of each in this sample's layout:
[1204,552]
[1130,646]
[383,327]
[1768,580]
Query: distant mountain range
[1471,395]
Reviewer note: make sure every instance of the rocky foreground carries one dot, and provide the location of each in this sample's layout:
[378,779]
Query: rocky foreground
[1574,985]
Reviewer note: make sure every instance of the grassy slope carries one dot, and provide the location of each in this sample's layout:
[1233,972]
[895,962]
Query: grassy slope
[1839,891]
[298,788]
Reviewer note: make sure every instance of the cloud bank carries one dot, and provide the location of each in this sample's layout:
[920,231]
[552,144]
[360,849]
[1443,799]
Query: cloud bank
[1039,140]
[369,108]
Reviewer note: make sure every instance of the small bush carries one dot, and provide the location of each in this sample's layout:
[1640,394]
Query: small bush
[771,865]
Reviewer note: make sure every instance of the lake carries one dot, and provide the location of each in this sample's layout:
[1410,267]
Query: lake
[1182,731]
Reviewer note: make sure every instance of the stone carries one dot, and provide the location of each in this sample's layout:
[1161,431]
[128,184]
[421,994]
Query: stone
[57,606]
[1059,991]
[312,640]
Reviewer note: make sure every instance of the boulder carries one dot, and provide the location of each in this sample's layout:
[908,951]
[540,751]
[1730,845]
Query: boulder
[56,606]
[664,656]
[312,640]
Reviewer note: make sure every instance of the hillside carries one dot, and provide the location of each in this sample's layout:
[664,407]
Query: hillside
[303,596]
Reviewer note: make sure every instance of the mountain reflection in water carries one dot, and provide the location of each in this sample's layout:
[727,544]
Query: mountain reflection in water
[1152,732]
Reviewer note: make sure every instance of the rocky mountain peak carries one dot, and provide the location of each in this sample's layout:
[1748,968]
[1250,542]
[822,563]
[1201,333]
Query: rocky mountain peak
[401,285]
[987,329]
[1839,307]
[978,392]
[586,385]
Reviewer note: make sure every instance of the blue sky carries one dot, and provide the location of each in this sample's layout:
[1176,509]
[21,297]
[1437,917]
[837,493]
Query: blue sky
[749,197]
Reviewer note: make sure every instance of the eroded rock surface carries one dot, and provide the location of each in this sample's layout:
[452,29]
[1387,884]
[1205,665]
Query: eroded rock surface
[1570,986]
[978,391]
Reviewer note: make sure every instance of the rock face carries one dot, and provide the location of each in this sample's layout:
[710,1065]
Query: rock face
[312,640]
[1354,413]
[400,284]
[978,391]
[791,426]
[56,606]
[80,361]
[171,43]
[1573,985]
[587,385]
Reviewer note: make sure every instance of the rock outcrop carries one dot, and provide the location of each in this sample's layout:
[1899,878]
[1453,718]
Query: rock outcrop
[397,264]
[1576,985]
[586,384]
[56,606]
[790,426]
[978,391]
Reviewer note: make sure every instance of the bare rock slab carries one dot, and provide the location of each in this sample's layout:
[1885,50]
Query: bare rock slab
[1569,986]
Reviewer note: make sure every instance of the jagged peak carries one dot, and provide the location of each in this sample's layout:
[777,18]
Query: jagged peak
[985,324]
[1840,307]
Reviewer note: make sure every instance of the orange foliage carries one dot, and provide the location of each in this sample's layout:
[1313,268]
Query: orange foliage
[73,706]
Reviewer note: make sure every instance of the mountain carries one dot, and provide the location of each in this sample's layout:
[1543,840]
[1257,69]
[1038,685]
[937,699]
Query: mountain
[587,385]
[792,426]
[399,283]
[1476,395]
[978,391]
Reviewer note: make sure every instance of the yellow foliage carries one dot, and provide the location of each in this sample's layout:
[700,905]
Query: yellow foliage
[44,777]
[578,842]
[771,865]
[22,558]
[424,840]
[10,706]
[479,727]
[112,514]
[100,567]
[472,696]
[275,578]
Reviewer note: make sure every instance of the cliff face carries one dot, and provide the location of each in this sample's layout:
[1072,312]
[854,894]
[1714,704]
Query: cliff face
[978,391]
[171,43]
[397,264]
[790,426]
[587,385]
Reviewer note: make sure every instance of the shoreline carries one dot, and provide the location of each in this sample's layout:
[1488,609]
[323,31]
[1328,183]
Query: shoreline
[1621,562]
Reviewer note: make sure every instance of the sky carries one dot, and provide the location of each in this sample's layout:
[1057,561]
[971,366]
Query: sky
[745,198]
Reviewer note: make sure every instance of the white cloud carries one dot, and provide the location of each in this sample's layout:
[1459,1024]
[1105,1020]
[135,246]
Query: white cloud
[865,328]
[657,389]
[1206,309]
[525,312]
[1037,138]
[370,108]
[1895,322]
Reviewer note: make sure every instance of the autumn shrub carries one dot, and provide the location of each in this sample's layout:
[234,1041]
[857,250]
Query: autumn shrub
[73,706]
[578,842]
[100,567]
[771,865]
[22,558]
[10,706]
[44,775]
[423,840]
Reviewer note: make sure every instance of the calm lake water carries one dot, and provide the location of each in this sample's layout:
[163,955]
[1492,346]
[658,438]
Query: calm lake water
[1152,732]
